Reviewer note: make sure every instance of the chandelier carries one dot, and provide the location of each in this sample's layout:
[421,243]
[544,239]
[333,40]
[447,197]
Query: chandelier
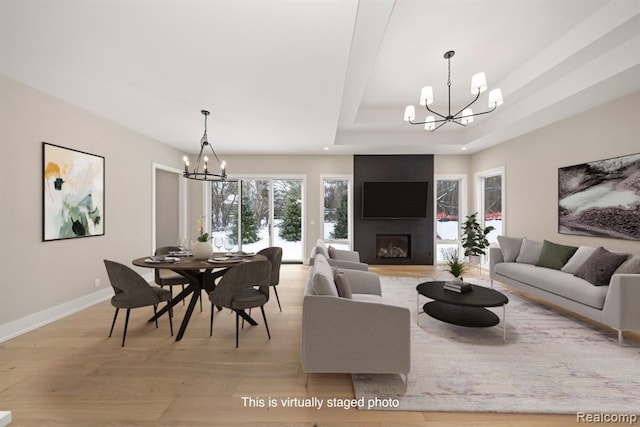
[465,115]
[201,170]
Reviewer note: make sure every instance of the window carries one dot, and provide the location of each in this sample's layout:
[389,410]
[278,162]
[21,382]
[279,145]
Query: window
[450,209]
[490,201]
[336,211]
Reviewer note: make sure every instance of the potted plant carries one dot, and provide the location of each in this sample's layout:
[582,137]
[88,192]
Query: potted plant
[202,249]
[453,264]
[474,238]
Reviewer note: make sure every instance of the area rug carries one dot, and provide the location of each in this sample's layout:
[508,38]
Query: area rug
[551,363]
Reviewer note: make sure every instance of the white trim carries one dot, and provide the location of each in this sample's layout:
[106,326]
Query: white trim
[463,202]
[182,202]
[349,179]
[44,317]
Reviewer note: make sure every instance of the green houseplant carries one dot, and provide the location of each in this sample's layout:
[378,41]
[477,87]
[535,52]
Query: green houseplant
[474,237]
[453,264]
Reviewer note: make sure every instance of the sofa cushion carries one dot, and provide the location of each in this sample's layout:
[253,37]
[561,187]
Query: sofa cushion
[556,282]
[323,282]
[599,267]
[510,247]
[529,251]
[554,255]
[630,266]
[321,248]
[578,258]
[342,284]
[331,251]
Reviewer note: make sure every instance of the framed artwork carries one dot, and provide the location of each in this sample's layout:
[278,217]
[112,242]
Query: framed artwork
[73,193]
[601,198]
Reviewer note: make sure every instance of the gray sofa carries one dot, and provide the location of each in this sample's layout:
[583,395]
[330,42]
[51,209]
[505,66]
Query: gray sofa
[361,334]
[615,304]
[337,257]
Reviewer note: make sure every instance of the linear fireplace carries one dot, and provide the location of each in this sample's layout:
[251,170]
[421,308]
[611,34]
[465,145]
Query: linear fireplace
[393,246]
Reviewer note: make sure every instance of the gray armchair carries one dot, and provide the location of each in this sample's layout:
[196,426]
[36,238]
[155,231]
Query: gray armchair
[338,258]
[132,291]
[244,286]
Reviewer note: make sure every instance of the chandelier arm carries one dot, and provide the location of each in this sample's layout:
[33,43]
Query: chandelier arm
[214,154]
[198,160]
[435,112]
[459,123]
[444,119]
[481,113]
[439,126]
[466,106]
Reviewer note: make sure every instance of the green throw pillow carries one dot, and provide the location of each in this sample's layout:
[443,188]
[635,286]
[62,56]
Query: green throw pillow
[554,255]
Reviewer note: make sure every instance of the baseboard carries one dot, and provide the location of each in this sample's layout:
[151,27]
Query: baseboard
[36,320]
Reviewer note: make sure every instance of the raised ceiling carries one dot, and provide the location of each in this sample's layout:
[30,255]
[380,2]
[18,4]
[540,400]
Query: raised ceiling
[294,77]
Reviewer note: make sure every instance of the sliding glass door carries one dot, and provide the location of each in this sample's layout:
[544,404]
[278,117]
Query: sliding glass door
[253,214]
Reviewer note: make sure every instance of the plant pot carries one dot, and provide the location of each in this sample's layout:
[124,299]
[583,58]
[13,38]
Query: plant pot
[202,250]
[456,280]
[474,260]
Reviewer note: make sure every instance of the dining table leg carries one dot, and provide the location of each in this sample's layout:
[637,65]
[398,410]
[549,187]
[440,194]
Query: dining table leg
[174,301]
[187,315]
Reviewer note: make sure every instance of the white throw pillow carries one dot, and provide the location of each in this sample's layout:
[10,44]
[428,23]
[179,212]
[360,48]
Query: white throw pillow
[529,251]
[582,254]
[510,247]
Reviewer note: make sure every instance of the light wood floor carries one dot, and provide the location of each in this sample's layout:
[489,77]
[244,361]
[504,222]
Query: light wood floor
[69,373]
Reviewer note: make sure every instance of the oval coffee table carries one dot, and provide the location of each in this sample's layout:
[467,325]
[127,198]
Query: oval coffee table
[464,309]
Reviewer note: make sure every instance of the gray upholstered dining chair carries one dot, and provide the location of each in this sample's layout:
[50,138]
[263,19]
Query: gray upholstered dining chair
[132,291]
[274,254]
[244,286]
[165,277]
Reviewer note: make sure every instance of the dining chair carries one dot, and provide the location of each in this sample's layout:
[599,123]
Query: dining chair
[274,254]
[243,286]
[132,291]
[165,277]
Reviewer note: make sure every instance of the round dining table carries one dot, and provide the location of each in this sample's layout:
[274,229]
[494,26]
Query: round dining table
[201,274]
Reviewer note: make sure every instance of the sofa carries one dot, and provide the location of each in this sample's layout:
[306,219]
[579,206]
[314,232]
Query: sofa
[339,258]
[348,327]
[601,285]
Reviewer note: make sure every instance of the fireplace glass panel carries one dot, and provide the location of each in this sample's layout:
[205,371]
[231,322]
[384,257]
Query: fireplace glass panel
[393,246]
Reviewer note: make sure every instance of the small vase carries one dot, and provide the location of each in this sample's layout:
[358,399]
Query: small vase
[202,250]
[456,280]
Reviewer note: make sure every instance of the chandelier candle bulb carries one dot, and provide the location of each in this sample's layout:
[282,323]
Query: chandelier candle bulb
[467,116]
[429,123]
[495,98]
[426,96]
[478,83]
[409,113]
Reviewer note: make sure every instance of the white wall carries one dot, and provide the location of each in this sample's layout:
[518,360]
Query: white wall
[39,275]
[532,161]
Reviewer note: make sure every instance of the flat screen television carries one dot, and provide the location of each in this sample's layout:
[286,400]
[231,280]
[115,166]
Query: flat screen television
[394,199]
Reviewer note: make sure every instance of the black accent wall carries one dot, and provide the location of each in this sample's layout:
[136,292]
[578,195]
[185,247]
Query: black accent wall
[390,168]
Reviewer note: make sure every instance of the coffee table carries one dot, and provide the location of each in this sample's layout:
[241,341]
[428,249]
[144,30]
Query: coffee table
[464,309]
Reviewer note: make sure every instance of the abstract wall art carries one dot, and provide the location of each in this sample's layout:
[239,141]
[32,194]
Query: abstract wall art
[601,198]
[73,193]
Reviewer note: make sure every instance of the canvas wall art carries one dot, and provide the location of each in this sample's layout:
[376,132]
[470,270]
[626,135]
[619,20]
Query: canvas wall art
[601,198]
[73,193]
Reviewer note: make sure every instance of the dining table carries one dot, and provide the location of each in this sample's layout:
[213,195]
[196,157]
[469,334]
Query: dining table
[201,273]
